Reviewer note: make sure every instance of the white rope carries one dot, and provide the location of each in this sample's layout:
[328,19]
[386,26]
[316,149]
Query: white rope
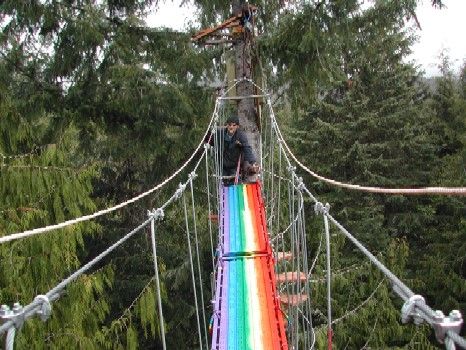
[157,279]
[201,282]
[36,231]
[329,278]
[209,209]
[453,191]
[457,339]
[10,338]
[192,272]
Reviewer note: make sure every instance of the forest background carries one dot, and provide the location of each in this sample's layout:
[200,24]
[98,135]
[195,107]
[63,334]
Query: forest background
[96,107]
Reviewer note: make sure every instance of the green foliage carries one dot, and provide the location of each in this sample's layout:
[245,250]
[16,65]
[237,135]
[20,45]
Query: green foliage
[95,107]
[361,116]
[41,185]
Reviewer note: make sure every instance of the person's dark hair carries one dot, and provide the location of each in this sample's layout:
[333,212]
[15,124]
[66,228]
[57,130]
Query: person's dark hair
[233,119]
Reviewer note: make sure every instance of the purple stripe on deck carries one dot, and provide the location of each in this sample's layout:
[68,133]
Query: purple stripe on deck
[224,290]
[220,326]
[217,309]
[223,341]
[226,221]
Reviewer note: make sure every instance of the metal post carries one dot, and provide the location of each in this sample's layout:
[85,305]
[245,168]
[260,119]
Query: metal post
[157,282]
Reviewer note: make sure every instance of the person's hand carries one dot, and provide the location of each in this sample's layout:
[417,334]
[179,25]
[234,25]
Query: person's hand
[255,168]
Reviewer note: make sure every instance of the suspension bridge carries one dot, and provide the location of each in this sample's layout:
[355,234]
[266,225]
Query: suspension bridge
[260,255]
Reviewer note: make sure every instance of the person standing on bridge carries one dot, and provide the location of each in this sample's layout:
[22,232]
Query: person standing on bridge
[237,153]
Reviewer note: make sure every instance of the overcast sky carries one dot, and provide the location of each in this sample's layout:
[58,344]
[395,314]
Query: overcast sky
[441,29]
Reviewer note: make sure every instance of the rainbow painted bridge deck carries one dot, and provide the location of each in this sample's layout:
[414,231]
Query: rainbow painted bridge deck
[246,309]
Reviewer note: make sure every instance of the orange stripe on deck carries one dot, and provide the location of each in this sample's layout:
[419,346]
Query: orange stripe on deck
[264,306]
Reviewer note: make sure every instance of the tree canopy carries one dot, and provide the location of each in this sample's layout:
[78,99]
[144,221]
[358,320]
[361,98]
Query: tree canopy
[96,107]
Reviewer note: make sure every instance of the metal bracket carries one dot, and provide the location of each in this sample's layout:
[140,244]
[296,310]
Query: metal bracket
[442,324]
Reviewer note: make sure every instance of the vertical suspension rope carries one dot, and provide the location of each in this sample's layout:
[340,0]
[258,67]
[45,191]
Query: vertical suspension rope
[329,301]
[298,243]
[209,208]
[293,264]
[302,232]
[198,260]
[279,188]
[157,283]
[270,182]
[307,282]
[192,273]
[273,200]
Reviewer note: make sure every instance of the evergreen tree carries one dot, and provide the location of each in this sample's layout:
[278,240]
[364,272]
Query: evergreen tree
[128,99]
[42,185]
[443,249]
[359,116]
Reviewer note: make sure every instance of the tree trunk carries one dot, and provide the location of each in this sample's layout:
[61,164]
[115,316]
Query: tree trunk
[243,69]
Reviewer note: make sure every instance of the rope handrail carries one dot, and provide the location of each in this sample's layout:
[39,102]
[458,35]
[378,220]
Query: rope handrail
[451,191]
[94,215]
[36,306]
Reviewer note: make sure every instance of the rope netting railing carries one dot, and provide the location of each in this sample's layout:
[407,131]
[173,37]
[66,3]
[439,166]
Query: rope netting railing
[278,152]
[286,212]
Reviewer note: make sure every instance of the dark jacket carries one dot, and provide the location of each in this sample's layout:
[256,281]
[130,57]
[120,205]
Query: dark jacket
[232,149]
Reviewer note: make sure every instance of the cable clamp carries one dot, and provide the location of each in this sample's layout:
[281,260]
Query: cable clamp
[45,307]
[180,190]
[158,214]
[442,324]
[5,314]
[319,208]
[408,312]
[291,168]
[192,176]
[16,315]
[300,182]
[207,146]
